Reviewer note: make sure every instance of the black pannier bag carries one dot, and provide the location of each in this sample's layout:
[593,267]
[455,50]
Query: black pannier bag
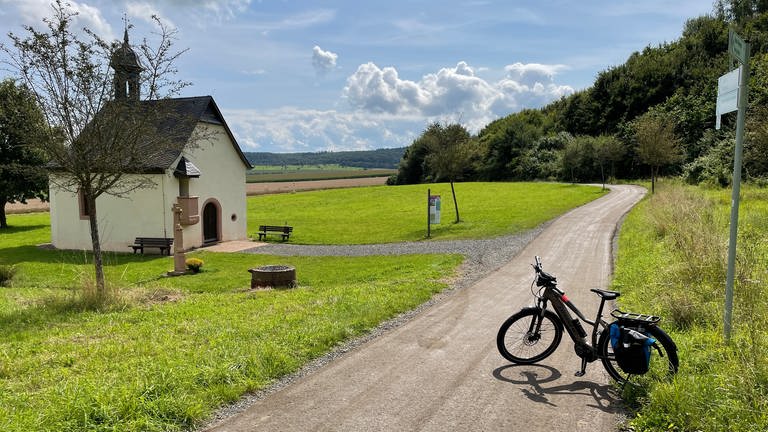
[631,348]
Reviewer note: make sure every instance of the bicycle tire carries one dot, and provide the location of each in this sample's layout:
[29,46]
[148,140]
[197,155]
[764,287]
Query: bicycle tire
[518,345]
[663,365]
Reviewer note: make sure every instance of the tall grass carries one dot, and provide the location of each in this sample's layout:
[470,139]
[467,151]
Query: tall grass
[672,262]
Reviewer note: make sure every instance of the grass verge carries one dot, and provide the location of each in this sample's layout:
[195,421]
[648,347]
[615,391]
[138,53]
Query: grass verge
[384,214]
[672,261]
[171,350]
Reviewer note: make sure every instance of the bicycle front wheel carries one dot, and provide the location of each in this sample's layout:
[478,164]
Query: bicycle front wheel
[528,336]
[663,364]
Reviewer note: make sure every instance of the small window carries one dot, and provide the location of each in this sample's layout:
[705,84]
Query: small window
[85,210]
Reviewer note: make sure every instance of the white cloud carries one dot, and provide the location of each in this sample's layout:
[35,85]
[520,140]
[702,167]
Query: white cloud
[225,9]
[532,73]
[323,61]
[291,129]
[32,13]
[389,111]
[299,21]
[144,11]
[454,91]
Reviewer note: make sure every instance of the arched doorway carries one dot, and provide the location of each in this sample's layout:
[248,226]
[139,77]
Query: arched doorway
[211,223]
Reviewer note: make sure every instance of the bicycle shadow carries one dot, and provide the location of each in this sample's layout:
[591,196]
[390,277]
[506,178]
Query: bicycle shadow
[607,398]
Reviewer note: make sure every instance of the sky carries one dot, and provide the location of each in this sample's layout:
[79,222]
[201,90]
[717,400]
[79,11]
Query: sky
[308,76]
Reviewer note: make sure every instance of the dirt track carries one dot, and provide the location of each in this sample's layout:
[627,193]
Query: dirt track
[441,370]
[35,205]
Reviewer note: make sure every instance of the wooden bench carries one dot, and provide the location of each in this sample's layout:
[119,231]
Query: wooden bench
[162,243]
[283,230]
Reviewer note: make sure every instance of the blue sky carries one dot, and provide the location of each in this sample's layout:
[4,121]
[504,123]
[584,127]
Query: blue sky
[294,76]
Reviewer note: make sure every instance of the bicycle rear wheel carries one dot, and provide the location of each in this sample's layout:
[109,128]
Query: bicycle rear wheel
[527,338]
[664,362]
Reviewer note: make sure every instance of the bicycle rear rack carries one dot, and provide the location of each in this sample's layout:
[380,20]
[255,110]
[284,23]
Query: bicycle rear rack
[636,317]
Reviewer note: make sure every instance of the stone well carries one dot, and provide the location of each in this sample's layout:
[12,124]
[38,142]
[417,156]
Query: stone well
[273,276]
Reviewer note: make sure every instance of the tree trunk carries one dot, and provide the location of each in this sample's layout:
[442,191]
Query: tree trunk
[653,180]
[96,242]
[455,203]
[3,222]
[602,175]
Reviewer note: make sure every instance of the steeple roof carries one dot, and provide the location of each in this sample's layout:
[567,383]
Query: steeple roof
[124,58]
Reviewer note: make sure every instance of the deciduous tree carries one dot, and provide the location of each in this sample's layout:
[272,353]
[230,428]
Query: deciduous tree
[608,151]
[104,141]
[22,175]
[657,144]
[450,154]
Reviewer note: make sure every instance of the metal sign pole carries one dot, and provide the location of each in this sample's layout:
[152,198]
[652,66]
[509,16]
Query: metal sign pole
[429,195]
[743,57]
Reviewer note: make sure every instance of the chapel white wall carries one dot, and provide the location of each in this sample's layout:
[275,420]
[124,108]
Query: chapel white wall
[147,213]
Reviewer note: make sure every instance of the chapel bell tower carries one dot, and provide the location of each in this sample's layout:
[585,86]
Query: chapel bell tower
[125,62]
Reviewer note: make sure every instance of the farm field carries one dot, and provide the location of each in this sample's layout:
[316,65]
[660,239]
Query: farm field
[35,205]
[292,173]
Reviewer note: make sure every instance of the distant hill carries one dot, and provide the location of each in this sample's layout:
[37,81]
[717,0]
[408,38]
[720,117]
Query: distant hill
[381,158]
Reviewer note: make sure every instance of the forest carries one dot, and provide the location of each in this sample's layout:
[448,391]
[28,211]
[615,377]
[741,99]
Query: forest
[653,115]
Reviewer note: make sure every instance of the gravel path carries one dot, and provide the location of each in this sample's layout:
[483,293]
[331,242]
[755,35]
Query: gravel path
[437,368]
[482,256]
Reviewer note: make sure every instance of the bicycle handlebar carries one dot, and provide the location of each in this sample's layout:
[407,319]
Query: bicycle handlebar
[537,265]
[542,277]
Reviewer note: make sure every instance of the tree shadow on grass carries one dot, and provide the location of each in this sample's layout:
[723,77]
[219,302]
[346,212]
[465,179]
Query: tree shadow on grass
[18,254]
[11,229]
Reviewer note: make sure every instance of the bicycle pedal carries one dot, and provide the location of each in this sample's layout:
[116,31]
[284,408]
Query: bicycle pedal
[580,373]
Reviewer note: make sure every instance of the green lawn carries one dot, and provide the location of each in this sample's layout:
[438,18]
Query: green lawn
[169,351]
[399,213]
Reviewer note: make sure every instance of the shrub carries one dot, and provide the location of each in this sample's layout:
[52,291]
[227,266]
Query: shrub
[7,272]
[194,264]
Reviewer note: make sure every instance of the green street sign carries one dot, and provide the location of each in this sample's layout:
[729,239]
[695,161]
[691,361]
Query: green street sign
[737,47]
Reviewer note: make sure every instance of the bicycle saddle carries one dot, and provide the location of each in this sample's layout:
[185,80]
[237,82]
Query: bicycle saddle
[608,295]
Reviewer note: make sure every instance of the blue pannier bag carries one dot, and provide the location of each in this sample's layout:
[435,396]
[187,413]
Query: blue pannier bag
[631,348]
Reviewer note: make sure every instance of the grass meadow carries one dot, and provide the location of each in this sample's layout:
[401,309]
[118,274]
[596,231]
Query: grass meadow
[385,214]
[672,262]
[169,351]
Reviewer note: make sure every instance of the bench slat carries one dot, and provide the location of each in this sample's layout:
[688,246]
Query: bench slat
[283,230]
[162,243]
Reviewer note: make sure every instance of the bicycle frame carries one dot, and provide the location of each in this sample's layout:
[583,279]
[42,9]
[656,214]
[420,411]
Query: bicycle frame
[534,333]
[586,350]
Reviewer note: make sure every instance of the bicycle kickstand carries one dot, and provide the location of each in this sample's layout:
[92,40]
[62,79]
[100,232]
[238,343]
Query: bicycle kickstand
[583,370]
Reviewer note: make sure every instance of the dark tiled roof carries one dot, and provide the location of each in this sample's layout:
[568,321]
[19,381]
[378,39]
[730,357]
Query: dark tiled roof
[200,109]
[186,168]
[174,122]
